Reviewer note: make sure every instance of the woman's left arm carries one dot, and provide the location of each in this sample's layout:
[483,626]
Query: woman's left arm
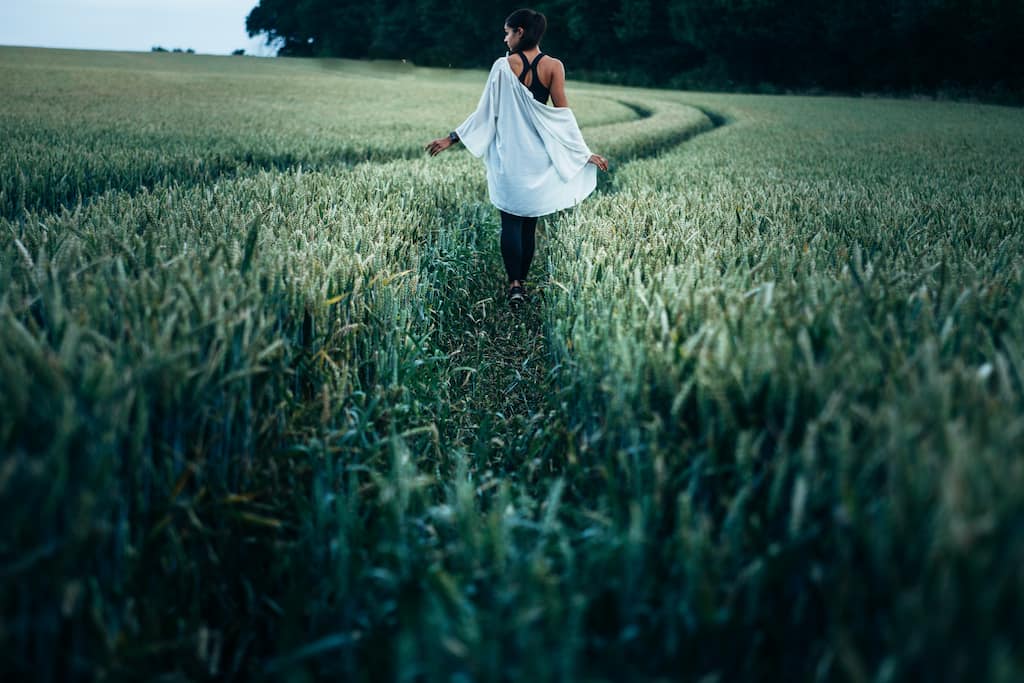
[559,99]
[557,87]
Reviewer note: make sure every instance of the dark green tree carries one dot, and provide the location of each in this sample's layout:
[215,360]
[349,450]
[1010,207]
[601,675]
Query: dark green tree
[843,44]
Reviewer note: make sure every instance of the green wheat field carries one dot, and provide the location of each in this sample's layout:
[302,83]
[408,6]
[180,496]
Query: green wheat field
[265,413]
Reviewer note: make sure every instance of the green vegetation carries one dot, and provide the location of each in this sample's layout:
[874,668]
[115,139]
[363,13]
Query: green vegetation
[952,47]
[265,412]
[77,124]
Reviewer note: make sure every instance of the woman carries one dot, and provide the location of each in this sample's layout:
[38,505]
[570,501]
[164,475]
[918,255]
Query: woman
[537,161]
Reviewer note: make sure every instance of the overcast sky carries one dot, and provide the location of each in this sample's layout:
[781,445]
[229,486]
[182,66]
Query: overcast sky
[207,26]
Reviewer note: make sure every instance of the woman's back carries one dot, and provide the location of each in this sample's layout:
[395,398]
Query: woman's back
[542,74]
[535,154]
[529,76]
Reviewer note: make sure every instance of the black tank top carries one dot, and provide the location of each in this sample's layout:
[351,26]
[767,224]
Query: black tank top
[540,93]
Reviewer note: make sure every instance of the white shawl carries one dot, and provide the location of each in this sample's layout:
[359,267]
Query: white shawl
[535,154]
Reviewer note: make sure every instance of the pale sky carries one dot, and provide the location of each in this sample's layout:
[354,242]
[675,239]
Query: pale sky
[206,26]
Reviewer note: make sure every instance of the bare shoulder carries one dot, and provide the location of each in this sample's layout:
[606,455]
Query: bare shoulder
[555,65]
[552,71]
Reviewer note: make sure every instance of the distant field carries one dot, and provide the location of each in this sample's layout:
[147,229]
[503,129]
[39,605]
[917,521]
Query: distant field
[80,123]
[264,411]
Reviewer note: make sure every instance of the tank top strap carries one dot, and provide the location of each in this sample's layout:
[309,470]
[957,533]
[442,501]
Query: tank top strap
[535,85]
[539,91]
[526,67]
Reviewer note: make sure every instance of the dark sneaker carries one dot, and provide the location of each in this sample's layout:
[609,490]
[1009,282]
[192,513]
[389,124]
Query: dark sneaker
[516,295]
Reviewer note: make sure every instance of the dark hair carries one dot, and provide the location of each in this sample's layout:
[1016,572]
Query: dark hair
[532,23]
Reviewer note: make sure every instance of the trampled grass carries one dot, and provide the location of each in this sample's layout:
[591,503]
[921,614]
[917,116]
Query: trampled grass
[265,411]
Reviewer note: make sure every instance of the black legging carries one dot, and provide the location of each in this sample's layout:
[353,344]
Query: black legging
[518,238]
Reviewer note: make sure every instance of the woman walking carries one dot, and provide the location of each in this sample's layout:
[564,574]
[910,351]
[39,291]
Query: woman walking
[537,162]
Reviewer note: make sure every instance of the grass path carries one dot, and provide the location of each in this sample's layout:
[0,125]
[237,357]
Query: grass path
[497,354]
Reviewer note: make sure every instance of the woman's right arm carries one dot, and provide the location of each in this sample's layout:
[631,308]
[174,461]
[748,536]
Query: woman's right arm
[439,145]
[477,131]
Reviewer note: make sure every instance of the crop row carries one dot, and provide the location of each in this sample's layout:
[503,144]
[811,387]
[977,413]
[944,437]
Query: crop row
[793,353]
[73,130]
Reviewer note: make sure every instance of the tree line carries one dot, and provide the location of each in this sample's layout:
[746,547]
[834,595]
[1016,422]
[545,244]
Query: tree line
[843,45]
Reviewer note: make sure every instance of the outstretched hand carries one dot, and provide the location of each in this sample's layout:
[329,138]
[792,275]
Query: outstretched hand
[599,161]
[437,146]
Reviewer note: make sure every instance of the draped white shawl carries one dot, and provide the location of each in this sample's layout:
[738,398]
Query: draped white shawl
[535,154]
